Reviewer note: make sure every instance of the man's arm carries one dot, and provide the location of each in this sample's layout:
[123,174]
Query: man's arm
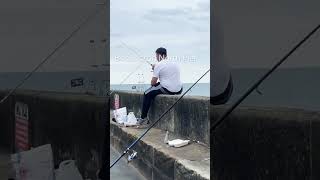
[154,81]
[156,74]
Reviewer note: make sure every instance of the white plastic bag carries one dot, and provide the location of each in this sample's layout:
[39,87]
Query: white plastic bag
[68,171]
[178,143]
[120,115]
[131,119]
[35,164]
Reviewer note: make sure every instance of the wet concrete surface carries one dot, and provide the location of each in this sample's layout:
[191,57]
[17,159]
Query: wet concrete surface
[122,170]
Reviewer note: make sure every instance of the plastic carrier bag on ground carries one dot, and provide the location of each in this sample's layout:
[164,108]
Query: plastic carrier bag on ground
[35,164]
[131,119]
[120,115]
[68,171]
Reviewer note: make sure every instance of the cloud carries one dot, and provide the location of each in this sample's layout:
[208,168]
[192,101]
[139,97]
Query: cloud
[203,6]
[180,26]
[166,14]
[187,18]
[116,34]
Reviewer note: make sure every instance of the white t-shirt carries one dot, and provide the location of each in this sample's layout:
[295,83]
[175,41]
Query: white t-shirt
[220,70]
[168,73]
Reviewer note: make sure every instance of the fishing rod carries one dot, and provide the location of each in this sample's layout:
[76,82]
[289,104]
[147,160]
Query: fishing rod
[255,85]
[138,67]
[154,123]
[61,44]
[135,52]
[110,92]
[127,77]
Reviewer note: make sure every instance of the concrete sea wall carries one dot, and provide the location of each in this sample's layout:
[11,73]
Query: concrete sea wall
[266,143]
[253,142]
[156,161]
[189,118]
[73,124]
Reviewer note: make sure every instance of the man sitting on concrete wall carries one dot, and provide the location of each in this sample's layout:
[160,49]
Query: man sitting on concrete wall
[168,74]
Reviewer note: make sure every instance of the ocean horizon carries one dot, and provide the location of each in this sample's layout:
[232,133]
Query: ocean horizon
[200,89]
[291,87]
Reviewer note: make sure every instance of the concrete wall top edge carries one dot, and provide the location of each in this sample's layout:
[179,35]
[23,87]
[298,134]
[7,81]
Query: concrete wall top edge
[264,108]
[272,113]
[164,96]
[59,96]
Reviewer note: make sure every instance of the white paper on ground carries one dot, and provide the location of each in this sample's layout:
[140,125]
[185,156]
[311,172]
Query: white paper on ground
[35,164]
[178,143]
[120,115]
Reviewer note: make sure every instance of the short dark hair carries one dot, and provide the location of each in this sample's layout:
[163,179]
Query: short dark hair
[162,51]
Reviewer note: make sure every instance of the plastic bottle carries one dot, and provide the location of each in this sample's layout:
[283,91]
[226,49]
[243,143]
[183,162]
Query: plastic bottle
[166,138]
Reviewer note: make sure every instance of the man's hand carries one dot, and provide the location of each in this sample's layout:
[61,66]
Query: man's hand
[154,81]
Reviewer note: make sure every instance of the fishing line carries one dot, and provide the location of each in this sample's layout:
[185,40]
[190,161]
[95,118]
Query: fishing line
[127,77]
[154,123]
[138,67]
[62,43]
[249,91]
[135,52]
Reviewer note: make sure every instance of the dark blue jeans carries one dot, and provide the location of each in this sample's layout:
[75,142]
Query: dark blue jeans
[150,94]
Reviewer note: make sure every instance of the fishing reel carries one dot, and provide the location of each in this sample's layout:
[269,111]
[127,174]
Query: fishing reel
[131,155]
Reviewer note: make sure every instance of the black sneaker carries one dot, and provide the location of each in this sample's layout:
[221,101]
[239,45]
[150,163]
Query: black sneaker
[141,121]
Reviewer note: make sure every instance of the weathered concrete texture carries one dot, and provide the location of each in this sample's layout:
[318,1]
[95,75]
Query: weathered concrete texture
[7,123]
[190,117]
[157,161]
[266,143]
[73,124]
[4,163]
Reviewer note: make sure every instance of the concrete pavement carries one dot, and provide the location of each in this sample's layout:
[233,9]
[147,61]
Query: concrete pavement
[122,170]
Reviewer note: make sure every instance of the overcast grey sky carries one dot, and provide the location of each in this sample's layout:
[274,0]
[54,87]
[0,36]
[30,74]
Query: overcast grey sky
[256,33]
[259,33]
[183,27]
[30,30]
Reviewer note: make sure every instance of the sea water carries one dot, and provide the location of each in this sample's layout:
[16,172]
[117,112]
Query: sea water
[298,88]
